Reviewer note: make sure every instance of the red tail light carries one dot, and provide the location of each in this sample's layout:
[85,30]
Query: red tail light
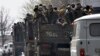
[82,52]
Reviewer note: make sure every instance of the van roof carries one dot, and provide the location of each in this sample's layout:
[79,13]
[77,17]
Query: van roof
[89,17]
[7,44]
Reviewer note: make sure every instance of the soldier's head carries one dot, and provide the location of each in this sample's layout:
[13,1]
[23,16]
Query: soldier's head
[87,7]
[50,8]
[73,5]
[41,7]
[36,6]
[36,10]
[79,5]
[44,7]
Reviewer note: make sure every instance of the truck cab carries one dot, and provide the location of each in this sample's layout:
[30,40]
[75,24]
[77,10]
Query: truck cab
[86,36]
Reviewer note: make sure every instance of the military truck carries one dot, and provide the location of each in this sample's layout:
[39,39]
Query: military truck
[18,38]
[47,39]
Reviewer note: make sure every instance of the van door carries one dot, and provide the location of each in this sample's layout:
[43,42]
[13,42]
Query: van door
[93,37]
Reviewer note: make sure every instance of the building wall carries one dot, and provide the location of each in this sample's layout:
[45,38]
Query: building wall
[94,3]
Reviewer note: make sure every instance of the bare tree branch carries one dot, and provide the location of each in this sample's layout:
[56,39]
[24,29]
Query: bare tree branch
[4,24]
[9,26]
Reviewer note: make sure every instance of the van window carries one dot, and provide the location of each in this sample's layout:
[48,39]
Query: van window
[11,45]
[95,29]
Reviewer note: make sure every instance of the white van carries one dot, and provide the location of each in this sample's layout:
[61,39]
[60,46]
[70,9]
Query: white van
[8,48]
[86,38]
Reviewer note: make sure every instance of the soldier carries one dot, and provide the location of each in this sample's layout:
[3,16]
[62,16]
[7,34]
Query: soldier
[78,11]
[68,13]
[39,16]
[52,16]
[88,10]
[73,8]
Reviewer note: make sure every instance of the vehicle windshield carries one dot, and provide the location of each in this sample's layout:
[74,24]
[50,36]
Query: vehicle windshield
[5,47]
[11,45]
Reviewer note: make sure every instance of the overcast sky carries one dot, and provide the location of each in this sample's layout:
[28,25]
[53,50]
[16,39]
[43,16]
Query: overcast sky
[14,7]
